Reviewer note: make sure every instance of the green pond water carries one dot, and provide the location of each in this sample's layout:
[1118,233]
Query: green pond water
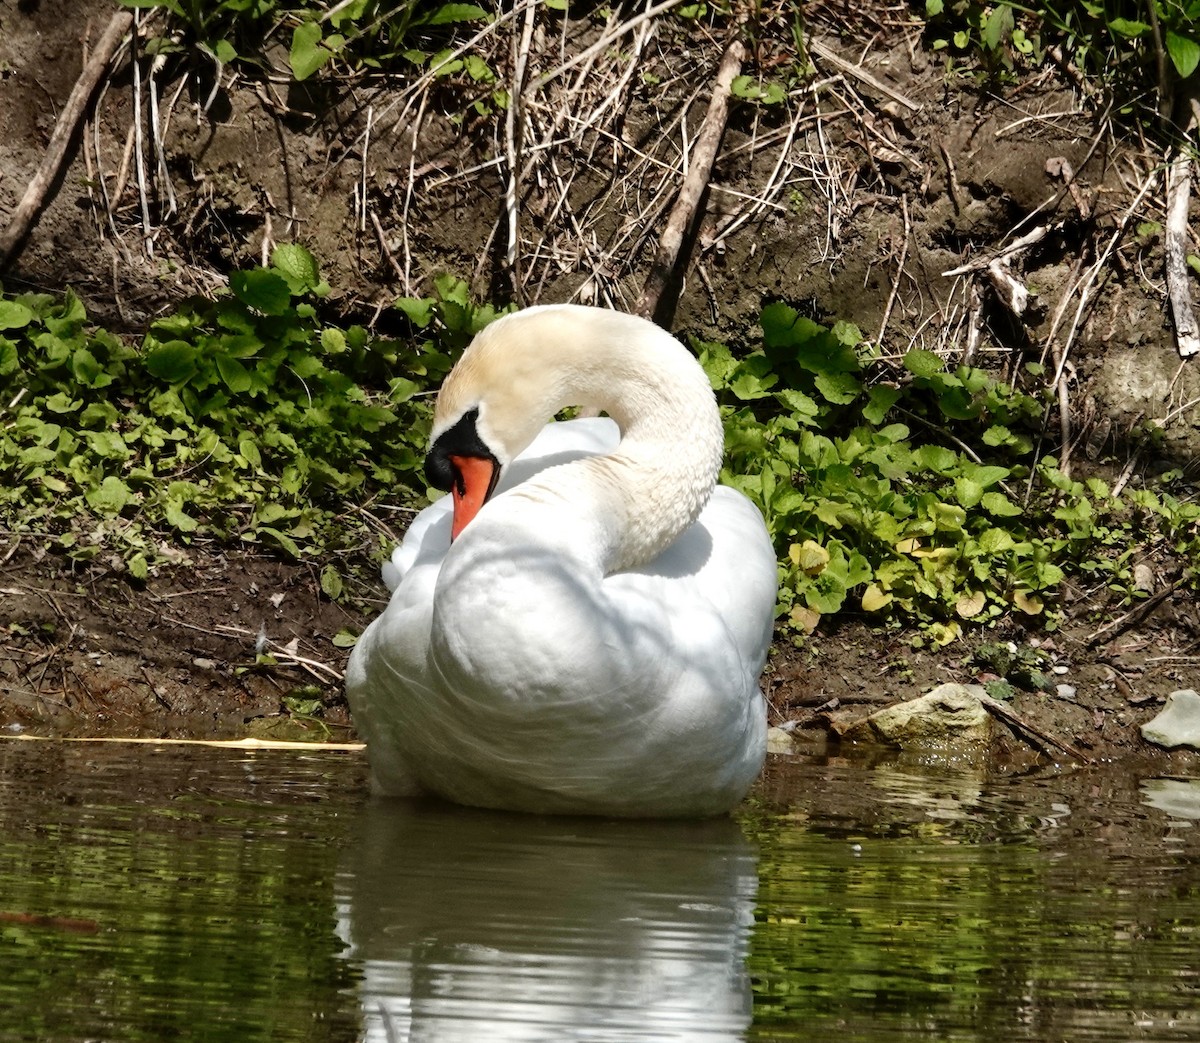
[189,893]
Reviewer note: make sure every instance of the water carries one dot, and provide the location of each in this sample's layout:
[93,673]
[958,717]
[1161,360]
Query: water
[197,893]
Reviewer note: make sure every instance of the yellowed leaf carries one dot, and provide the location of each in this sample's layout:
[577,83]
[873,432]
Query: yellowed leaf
[875,597]
[944,633]
[908,546]
[809,556]
[804,618]
[1027,602]
[970,604]
[937,555]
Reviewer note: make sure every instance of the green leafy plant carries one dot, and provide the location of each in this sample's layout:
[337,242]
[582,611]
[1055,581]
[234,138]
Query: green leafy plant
[1134,45]
[865,512]
[248,418]
[243,416]
[360,35]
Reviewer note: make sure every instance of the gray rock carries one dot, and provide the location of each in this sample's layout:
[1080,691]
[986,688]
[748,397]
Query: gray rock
[779,741]
[1179,722]
[951,714]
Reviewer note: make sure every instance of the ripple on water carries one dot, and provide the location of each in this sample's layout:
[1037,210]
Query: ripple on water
[165,893]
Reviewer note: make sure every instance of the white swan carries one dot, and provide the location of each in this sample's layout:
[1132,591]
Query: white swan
[592,641]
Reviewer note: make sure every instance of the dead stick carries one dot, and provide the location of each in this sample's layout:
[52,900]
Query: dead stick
[1134,616]
[1010,716]
[1187,333]
[857,72]
[34,200]
[704,153]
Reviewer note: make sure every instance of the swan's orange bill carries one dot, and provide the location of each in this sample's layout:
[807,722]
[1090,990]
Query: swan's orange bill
[470,490]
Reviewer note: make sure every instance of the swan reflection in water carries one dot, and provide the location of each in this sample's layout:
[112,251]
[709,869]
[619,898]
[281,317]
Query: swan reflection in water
[472,926]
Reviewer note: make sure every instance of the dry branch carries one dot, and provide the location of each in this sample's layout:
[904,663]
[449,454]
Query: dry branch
[1187,333]
[860,74]
[34,200]
[703,155]
[1010,716]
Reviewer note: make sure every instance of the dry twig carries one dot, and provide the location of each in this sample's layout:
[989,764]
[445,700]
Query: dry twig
[850,69]
[1179,178]
[704,152]
[1010,716]
[34,200]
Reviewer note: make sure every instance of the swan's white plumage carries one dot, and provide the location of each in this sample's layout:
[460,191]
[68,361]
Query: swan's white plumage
[557,658]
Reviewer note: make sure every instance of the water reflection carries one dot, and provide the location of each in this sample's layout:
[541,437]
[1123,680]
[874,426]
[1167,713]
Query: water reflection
[1179,798]
[482,926]
[151,894]
[963,905]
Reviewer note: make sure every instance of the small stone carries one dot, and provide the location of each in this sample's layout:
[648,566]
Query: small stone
[950,713]
[1060,668]
[1065,691]
[778,741]
[1178,723]
[204,664]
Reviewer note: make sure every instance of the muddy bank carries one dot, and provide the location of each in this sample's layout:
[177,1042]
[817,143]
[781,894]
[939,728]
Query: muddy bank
[851,200]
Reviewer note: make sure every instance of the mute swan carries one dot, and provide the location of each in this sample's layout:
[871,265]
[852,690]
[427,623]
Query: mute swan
[591,641]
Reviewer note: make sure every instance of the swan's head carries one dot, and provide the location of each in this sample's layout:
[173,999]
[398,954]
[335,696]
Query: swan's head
[526,367]
[512,378]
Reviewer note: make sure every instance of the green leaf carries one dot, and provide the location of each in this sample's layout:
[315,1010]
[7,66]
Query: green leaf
[936,458]
[345,639]
[248,449]
[307,55]
[881,398]
[138,567]
[478,69]
[333,341]
[1184,52]
[999,505]
[838,388]
[108,444]
[174,362]
[61,402]
[922,363]
[1127,27]
[331,582]
[298,266]
[448,14]
[967,492]
[798,403]
[10,361]
[177,517]
[262,290]
[779,322]
[418,311]
[998,28]
[85,367]
[111,497]
[235,376]
[224,52]
[933,8]
[282,540]
[14,315]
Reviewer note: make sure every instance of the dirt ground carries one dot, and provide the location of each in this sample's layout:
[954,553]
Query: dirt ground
[850,202]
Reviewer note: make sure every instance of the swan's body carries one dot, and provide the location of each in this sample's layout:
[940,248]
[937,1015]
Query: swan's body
[592,640]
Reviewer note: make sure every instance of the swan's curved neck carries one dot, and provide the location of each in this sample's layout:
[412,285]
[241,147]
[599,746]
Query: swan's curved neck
[624,508]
